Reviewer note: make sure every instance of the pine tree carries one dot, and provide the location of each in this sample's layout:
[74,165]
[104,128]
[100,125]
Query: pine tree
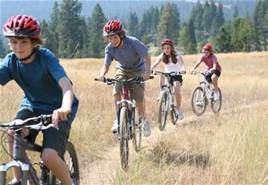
[222,41]
[243,35]
[70,34]
[207,19]
[2,49]
[218,20]
[95,42]
[133,22]
[261,25]
[52,41]
[169,22]
[187,38]
[196,17]
[236,12]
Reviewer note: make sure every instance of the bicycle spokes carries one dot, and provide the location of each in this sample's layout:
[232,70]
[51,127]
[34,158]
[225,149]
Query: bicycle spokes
[199,101]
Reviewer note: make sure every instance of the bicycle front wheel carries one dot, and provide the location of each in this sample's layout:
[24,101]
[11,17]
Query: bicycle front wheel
[123,133]
[216,104]
[163,110]
[71,160]
[136,132]
[173,116]
[199,101]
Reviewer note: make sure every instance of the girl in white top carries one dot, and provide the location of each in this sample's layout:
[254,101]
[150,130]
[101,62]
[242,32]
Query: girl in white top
[172,62]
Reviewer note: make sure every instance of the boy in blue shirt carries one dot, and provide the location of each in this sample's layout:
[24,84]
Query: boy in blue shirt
[132,61]
[46,87]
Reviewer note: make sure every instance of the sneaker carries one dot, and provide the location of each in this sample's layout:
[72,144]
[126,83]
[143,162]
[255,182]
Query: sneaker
[146,128]
[115,126]
[179,114]
[14,182]
[216,95]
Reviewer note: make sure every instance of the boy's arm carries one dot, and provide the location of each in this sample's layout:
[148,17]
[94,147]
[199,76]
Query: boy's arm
[67,100]
[104,70]
[147,66]
[156,63]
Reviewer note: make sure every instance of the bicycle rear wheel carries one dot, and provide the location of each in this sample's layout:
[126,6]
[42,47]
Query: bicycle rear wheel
[216,104]
[71,160]
[163,110]
[123,133]
[136,132]
[199,101]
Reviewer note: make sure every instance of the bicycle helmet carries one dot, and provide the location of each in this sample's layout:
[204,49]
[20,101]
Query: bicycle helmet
[208,47]
[112,27]
[167,42]
[22,26]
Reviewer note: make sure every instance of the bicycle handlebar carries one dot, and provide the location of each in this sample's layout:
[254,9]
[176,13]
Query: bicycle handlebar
[167,74]
[111,81]
[41,122]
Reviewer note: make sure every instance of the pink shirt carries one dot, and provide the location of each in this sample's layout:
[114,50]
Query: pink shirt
[210,60]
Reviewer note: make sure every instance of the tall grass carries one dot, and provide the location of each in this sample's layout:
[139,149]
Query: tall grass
[225,149]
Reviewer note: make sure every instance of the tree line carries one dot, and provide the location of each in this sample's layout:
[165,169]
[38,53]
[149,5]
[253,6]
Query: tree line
[68,34]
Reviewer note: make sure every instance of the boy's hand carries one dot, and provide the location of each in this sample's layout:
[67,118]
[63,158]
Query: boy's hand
[60,114]
[146,76]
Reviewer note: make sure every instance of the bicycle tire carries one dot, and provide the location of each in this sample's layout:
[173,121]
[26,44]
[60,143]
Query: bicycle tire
[123,133]
[216,104]
[71,160]
[163,110]
[136,132]
[173,116]
[199,101]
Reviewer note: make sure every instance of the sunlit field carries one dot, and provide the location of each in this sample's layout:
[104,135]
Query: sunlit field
[228,148]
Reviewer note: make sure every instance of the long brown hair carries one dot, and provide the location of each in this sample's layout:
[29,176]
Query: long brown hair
[165,58]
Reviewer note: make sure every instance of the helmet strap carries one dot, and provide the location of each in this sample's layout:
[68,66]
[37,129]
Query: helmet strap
[26,58]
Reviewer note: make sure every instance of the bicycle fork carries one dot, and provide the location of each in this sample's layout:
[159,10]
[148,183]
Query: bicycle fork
[18,153]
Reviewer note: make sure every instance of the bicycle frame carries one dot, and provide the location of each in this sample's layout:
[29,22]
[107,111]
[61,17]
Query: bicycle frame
[21,161]
[207,87]
[126,99]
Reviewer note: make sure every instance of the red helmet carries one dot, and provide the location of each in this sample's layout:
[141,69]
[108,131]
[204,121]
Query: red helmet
[22,26]
[167,42]
[208,47]
[112,27]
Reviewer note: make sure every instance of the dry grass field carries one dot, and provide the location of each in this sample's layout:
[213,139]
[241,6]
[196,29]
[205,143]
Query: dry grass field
[228,148]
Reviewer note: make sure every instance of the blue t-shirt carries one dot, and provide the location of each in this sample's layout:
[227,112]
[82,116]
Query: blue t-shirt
[38,80]
[130,56]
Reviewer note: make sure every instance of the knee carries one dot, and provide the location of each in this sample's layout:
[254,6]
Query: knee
[214,77]
[10,138]
[49,157]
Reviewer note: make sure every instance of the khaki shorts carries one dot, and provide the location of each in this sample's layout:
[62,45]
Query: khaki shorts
[136,90]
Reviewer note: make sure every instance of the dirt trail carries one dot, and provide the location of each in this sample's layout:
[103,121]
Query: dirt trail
[102,172]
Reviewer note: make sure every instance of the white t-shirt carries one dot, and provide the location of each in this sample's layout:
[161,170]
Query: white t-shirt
[171,67]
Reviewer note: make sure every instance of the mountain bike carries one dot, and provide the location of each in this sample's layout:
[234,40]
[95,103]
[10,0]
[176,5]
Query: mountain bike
[20,159]
[128,127]
[203,94]
[167,100]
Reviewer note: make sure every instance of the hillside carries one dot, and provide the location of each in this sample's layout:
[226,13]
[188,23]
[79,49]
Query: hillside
[112,8]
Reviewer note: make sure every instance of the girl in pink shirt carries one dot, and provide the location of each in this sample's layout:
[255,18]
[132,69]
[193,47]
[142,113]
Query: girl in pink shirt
[213,67]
